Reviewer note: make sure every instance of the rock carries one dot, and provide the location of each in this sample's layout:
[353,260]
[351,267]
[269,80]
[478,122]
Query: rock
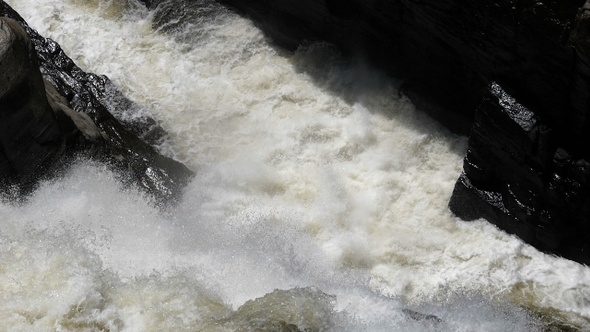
[71,113]
[517,176]
[580,96]
[31,137]
[527,169]
[420,317]
[81,121]
[293,310]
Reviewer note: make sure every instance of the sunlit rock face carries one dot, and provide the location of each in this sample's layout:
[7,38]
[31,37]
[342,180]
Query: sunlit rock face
[457,57]
[53,110]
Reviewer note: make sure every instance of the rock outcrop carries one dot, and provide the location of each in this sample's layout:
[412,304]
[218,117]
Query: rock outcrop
[515,75]
[31,136]
[527,168]
[518,176]
[52,110]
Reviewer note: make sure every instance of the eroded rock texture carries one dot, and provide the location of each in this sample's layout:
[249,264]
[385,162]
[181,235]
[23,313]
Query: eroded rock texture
[524,66]
[70,115]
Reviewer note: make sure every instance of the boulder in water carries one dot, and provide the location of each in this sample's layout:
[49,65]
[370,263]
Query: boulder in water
[31,136]
[519,176]
[54,110]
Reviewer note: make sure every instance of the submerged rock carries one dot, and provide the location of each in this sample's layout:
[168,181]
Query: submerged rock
[527,168]
[67,113]
[295,310]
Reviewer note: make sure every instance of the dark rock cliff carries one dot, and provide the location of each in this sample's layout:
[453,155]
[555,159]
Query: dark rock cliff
[515,75]
[52,110]
[31,135]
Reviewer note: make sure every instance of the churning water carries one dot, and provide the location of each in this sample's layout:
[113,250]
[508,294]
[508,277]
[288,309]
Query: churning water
[319,202]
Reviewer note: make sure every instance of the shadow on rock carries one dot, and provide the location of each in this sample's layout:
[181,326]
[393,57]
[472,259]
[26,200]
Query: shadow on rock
[51,111]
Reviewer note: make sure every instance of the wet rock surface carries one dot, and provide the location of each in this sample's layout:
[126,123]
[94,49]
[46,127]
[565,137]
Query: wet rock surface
[527,168]
[515,75]
[519,176]
[31,136]
[76,118]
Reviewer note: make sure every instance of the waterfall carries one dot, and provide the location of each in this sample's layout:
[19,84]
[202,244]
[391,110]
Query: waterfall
[319,201]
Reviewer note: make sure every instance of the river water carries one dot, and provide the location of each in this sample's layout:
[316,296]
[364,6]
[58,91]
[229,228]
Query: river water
[320,199]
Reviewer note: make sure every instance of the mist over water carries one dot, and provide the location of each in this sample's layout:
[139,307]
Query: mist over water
[319,201]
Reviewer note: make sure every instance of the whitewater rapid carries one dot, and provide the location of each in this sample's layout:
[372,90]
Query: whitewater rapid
[320,198]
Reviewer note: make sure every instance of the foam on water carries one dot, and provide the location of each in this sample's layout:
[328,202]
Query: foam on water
[313,177]
[85,254]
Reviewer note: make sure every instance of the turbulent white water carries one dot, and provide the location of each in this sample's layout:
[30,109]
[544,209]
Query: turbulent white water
[320,200]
